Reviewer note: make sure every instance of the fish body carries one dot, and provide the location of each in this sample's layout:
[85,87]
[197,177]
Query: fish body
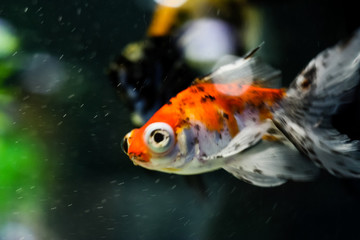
[209,116]
[236,119]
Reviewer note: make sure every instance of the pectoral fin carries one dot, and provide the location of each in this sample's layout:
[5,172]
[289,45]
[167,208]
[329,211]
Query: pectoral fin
[246,138]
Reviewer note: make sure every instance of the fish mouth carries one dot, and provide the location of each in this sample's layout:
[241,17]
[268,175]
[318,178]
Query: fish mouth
[137,160]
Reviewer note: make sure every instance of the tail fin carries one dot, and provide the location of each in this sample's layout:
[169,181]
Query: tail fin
[323,88]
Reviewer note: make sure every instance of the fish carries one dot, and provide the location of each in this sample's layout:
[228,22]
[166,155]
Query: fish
[238,118]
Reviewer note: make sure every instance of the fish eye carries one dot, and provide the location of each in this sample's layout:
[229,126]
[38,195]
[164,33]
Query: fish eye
[159,137]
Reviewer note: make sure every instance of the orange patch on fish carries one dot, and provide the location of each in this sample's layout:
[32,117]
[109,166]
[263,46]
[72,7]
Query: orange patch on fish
[270,138]
[215,104]
[138,149]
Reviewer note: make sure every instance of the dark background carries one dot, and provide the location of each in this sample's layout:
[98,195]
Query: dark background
[94,191]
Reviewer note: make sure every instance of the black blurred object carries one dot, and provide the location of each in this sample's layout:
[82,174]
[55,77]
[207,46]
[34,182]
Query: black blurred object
[148,74]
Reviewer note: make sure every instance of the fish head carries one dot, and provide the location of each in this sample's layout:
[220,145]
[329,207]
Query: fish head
[160,146]
[169,148]
[180,135]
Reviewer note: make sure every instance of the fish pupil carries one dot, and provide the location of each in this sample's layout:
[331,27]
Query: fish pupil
[158,137]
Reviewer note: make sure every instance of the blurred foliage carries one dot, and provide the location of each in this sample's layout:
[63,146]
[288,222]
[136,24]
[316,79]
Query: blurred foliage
[22,159]
[8,40]
[6,69]
[21,180]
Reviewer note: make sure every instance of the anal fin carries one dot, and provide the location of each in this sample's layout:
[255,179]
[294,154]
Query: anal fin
[271,162]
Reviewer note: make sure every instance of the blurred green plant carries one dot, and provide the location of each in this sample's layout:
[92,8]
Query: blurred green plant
[22,156]
[9,44]
[6,69]
[8,40]
[21,180]
[21,167]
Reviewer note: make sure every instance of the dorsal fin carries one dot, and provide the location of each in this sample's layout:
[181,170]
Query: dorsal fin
[248,70]
[253,51]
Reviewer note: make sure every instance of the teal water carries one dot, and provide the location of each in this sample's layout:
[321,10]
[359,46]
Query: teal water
[63,174]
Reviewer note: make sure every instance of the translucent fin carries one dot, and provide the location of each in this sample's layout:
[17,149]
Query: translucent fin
[225,60]
[246,138]
[271,162]
[245,71]
[327,83]
[330,77]
[255,178]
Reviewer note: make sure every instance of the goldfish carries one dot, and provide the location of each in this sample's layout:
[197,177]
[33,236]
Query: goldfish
[238,119]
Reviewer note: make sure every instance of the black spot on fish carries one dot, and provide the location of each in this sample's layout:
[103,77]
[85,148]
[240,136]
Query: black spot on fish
[305,108]
[317,161]
[309,140]
[272,131]
[139,158]
[281,176]
[197,127]
[258,171]
[247,181]
[303,150]
[212,98]
[309,77]
[207,97]
[311,151]
[226,116]
[200,88]
[193,90]
[257,135]
[251,143]
[184,122]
